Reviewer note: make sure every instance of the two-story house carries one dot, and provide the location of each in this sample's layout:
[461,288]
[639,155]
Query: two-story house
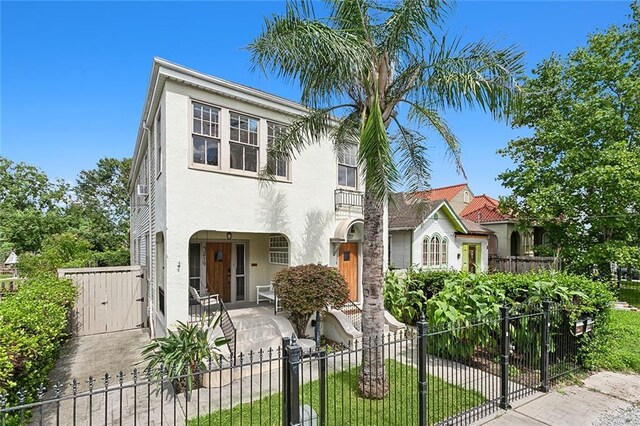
[201,216]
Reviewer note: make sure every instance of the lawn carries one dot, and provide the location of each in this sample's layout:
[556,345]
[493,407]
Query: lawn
[344,406]
[621,352]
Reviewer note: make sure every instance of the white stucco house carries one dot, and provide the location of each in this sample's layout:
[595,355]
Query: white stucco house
[202,217]
[429,234]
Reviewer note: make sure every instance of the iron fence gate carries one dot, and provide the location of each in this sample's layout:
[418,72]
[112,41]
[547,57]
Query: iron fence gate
[444,374]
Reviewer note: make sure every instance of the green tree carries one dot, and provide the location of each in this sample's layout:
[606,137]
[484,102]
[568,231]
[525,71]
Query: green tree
[101,210]
[31,206]
[578,175]
[372,74]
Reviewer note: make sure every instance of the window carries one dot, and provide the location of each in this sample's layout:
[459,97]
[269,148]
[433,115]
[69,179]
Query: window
[435,251]
[436,217]
[159,144]
[348,165]
[194,265]
[278,250]
[206,135]
[243,142]
[444,252]
[466,196]
[279,167]
[240,272]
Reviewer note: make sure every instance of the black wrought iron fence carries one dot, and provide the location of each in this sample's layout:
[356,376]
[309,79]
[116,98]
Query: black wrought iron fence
[447,374]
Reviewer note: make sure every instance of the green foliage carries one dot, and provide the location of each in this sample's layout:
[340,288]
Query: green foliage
[616,348]
[578,175]
[305,289]
[35,210]
[33,325]
[184,353]
[406,293]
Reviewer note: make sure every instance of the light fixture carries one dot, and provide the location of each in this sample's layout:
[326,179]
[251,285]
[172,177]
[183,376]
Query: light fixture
[228,235]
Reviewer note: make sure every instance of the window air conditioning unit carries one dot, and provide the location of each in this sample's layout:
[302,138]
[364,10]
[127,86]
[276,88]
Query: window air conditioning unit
[142,190]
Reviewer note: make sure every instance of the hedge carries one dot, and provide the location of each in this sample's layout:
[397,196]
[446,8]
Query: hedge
[33,325]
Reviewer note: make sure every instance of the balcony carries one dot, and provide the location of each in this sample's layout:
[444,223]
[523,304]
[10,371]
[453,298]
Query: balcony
[348,200]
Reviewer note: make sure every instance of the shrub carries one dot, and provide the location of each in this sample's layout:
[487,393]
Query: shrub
[182,353]
[406,293]
[33,325]
[303,290]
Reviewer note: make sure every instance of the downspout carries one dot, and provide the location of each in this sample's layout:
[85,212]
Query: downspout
[150,309]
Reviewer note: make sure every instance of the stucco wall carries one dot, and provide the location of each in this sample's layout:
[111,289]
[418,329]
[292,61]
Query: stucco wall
[457,203]
[197,200]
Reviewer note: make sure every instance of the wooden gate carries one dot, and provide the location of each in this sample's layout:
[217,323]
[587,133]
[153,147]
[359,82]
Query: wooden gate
[109,299]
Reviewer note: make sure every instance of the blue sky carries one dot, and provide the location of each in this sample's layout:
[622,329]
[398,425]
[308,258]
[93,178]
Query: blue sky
[74,74]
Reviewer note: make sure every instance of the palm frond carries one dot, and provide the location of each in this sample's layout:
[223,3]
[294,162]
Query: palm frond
[477,74]
[305,130]
[324,60]
[424,116]
[412,159]
[409,21]
[375,156]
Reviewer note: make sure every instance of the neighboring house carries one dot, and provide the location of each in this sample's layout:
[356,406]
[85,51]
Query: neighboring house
[429,234]
[202,217]
[509,239]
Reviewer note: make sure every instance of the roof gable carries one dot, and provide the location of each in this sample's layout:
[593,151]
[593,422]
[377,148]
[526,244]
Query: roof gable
[443,193]
[409,213]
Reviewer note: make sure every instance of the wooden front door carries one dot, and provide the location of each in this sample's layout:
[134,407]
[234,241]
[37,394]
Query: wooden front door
[348,266]
[219,270]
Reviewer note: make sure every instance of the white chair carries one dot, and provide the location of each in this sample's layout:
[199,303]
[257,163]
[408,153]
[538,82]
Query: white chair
[265,292]
[205,302]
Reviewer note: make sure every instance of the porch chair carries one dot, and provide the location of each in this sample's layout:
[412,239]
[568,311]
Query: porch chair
[204,302]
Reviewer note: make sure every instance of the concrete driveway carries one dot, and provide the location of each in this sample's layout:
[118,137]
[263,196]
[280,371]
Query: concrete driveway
[96,355]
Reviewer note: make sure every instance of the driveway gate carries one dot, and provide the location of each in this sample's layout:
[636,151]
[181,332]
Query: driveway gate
[109,299]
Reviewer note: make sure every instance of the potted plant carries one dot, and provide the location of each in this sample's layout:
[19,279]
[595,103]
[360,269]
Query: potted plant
[184,353]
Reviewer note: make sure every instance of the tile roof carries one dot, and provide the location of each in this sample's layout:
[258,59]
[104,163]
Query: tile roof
[443,193]
[482,209]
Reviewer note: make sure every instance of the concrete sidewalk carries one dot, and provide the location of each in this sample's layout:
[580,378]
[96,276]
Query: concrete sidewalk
[601,395]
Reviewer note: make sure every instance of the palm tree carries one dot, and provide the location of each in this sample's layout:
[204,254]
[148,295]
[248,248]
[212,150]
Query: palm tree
[373,74]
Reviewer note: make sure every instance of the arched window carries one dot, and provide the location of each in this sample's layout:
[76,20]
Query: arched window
[425,251]
[465,196]
[434,251]
[444,252]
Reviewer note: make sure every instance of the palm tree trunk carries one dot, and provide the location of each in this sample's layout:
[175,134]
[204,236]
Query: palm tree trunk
[372,382]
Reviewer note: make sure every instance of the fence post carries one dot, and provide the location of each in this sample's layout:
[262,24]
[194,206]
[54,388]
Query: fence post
[544,356]
[285,382]
[505,348]
[422,371]
[322,385]
[294,352]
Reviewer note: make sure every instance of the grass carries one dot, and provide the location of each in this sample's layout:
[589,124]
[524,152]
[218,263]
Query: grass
[621,352]
[344,406]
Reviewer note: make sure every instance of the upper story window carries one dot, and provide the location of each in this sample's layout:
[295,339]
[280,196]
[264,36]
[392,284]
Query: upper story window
[243,142]
[466,196]
[279,167]
[206,134]
[348,165]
